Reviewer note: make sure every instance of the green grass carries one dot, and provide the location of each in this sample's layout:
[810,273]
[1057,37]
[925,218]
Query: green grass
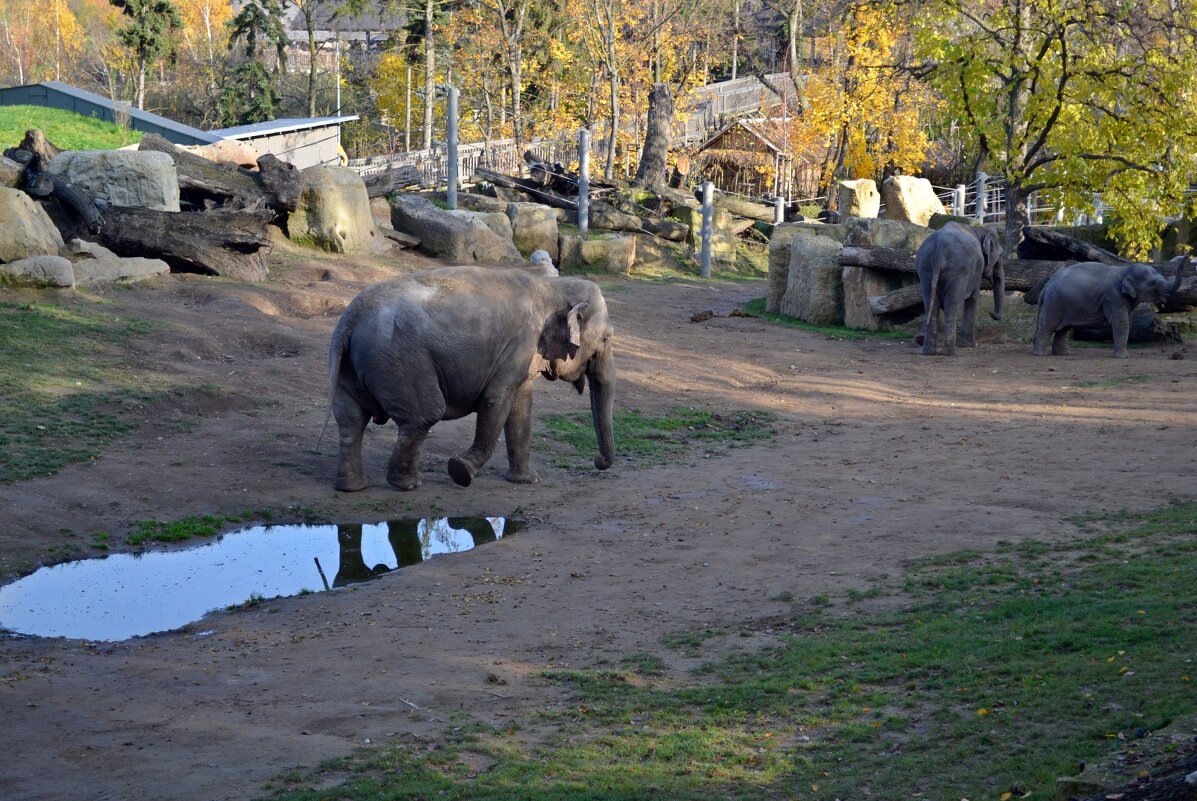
[654,439]
[67,130]
[1107,383]
[995,673]
[66,390]
[757,309]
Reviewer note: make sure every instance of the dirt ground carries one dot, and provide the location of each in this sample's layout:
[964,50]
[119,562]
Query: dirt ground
[882,455]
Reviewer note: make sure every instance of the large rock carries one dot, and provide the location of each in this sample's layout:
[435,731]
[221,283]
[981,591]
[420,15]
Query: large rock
[475,202]
[779,255]
[910,199]
[334,212]
[38,271]
[448,235]
[534,227]
[140,178]
[815,289]
[871,232]
[611,253]
[10,172]
[497,222]
[723,233]
[862,283]
[859,198]
[25,228]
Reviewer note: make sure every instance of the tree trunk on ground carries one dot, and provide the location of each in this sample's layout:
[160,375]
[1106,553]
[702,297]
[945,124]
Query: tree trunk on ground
[1042,243]
[651,172]
[1022,275]
[386,182]
[276,184]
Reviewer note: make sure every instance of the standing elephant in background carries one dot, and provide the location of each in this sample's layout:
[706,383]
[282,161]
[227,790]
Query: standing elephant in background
[442,344]
[1092,293]
[951,264]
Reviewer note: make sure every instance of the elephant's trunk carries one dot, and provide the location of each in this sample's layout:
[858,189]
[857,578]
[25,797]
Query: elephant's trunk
[999,289]
[1180,262]
[601,376]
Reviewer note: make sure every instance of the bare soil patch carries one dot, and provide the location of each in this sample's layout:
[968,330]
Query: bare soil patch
[882,456]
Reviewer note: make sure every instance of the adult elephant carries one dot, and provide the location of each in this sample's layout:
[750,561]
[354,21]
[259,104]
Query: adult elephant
[442,344]
[1092,293]
[951,264]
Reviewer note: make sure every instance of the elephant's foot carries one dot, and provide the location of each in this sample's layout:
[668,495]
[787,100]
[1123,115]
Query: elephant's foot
[1121,354]
[1038,350]
[404,481]
[919,338]
[350,483]
[949,350]
[527,476]
[966,343]
[928,349]
[461,471]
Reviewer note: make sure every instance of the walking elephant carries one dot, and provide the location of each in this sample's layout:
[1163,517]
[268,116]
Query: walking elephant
[951,264]
[442,344]
[1092,293]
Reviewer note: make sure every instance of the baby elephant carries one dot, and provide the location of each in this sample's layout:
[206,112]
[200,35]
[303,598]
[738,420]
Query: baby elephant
[951,264]
[1092,293]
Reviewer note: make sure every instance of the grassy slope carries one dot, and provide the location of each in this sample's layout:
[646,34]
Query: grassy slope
[67,130]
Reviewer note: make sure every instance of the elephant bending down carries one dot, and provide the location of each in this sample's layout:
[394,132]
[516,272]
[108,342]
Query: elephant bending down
[442,344]
[1092,293]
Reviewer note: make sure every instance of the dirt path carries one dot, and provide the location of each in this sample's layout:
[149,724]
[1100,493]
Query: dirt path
[881,456]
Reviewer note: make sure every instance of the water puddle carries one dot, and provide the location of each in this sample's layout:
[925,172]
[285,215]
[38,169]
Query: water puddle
[129,595]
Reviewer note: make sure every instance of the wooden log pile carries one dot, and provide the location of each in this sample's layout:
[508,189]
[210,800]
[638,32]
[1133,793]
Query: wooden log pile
[225,232]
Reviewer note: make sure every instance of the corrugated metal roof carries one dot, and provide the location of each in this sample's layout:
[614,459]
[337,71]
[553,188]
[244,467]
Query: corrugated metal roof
[275,127]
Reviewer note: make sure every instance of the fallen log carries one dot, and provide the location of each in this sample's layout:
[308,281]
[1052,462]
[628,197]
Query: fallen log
[276,185]
[1043,243]
[739,206]
[227,242]
[602,215]
[1022,275]
[391,180]
[897,259]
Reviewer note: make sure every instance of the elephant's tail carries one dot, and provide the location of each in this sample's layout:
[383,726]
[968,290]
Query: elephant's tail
[336,350]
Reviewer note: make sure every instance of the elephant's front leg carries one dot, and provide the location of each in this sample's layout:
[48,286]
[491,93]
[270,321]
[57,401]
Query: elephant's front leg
[518,433]
[492,414]
[403,469]
[1120,326]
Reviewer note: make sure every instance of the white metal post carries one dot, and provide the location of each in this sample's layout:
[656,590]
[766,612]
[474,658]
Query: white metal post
[958,200]
[708,214]
[451,135]
[779,211]
[583,181]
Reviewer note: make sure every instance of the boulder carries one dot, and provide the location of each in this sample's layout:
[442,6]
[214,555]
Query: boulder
[141,178]
[10,172]
[449,235]
[872,232]
[497,222]
[234,151]
[815,290]
[38,271]
[611,253]
[723,230]
[861,283]
[910,199]
[534,227]
[25,228]
[473,202]
[859,198]
[779,255]
[334,212]
[542,264]
[380,210]
[96,264]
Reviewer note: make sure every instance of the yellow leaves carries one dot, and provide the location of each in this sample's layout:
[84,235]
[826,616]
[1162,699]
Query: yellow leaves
[982,711]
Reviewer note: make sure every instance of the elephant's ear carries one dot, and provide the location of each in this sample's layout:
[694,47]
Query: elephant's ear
[1128,287]
[563,335]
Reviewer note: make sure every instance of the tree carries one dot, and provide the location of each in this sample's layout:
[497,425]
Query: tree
[149,36]
[251,92]
[1074,97]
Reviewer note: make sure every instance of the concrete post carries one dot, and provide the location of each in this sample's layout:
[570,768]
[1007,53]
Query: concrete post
[779,211]
[958,199]
[451,135]
[583,181]
[708,219]
[982,178]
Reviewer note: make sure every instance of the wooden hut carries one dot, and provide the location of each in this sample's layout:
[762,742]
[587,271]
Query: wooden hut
[751,157]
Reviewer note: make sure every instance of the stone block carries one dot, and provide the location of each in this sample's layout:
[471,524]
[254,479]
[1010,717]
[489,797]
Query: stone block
[334,212]
[141,178]
[910,199]
[815,290]
[858,198]
[25,228]
[534,227]
[39,271]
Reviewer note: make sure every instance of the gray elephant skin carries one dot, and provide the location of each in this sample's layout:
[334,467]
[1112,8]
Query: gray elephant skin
[1092,293]
[442,344]
[951,264]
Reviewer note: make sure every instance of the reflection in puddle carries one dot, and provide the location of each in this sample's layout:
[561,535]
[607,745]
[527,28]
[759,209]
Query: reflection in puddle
[128,595]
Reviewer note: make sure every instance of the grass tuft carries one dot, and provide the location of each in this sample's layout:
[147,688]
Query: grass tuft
[65,129]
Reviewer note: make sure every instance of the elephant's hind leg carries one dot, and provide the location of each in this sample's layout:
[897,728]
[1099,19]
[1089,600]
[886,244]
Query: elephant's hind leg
[351,423]
[968,323]
[403,469]
[1060,342]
